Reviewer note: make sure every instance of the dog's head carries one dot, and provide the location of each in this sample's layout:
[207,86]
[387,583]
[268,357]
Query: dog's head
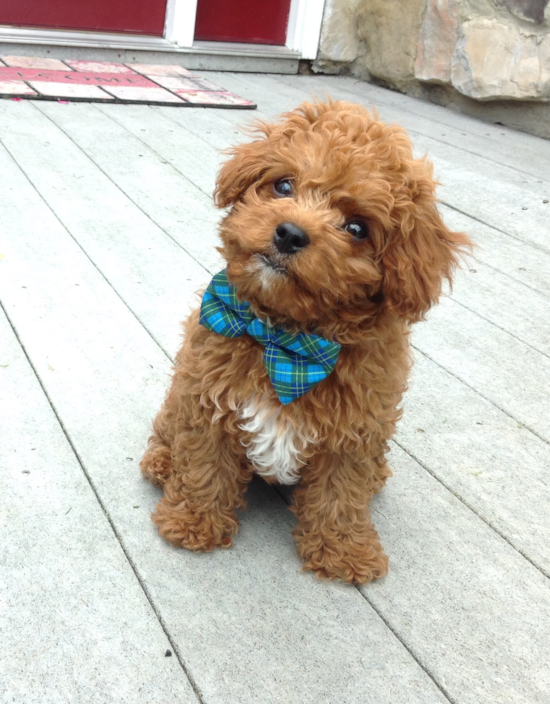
[333,222]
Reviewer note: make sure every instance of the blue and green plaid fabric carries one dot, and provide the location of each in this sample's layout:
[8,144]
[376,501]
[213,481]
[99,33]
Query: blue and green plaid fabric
[295,362]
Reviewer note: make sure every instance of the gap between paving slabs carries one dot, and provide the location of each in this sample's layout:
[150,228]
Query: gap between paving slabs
[99,81]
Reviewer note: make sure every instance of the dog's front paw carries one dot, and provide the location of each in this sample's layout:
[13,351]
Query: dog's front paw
[355,559]
[194,531]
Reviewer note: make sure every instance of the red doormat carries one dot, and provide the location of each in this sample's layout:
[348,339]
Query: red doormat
[99,81]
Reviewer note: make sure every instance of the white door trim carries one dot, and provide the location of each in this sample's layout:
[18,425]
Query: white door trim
[304,27]
[67,37]
[179,27]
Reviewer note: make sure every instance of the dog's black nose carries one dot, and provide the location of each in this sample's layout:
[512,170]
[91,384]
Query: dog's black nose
[289,239]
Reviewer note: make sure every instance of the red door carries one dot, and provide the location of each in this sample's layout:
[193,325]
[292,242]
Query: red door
[255,21]
[132,16]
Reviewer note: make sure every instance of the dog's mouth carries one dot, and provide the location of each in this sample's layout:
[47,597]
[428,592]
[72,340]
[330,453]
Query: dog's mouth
[271,264]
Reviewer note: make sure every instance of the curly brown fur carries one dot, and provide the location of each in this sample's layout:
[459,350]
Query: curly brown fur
[343,164]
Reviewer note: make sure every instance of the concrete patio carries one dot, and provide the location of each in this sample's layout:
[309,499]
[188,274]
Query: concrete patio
[106,231]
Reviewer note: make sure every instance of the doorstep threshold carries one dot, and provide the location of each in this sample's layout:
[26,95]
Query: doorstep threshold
[62,37]
[103,46]
[238,49]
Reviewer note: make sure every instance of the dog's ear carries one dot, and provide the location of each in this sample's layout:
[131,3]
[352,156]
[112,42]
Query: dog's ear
[421,252]
[246,165]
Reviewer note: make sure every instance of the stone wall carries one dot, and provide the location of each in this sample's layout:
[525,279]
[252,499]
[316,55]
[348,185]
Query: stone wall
[340,46]
[485,57]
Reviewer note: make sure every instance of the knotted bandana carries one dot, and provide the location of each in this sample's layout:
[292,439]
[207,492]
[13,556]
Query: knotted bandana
[295,362]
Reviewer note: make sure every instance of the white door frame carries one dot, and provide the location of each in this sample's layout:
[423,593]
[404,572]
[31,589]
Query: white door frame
[179,27]
[303,31]
[304,27]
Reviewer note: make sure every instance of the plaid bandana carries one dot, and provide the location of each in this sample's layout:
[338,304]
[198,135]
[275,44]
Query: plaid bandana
[295,362]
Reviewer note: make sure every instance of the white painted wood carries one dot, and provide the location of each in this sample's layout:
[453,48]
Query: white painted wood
[219,128]
[188,153]
[180,22]
[243,620]
[304,26]
[519,260]
[506,303]
[490,192]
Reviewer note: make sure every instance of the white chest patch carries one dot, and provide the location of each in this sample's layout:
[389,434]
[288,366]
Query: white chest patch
[275,445]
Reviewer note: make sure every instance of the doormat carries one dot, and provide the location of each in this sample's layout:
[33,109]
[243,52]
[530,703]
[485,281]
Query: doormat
[99,81]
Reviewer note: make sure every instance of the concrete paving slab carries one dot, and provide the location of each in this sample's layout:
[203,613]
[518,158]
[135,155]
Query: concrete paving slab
[75,623]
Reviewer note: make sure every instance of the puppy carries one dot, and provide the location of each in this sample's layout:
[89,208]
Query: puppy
[295,366]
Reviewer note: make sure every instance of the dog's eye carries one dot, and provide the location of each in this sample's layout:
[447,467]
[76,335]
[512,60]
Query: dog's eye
[283,188]
[358,229]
